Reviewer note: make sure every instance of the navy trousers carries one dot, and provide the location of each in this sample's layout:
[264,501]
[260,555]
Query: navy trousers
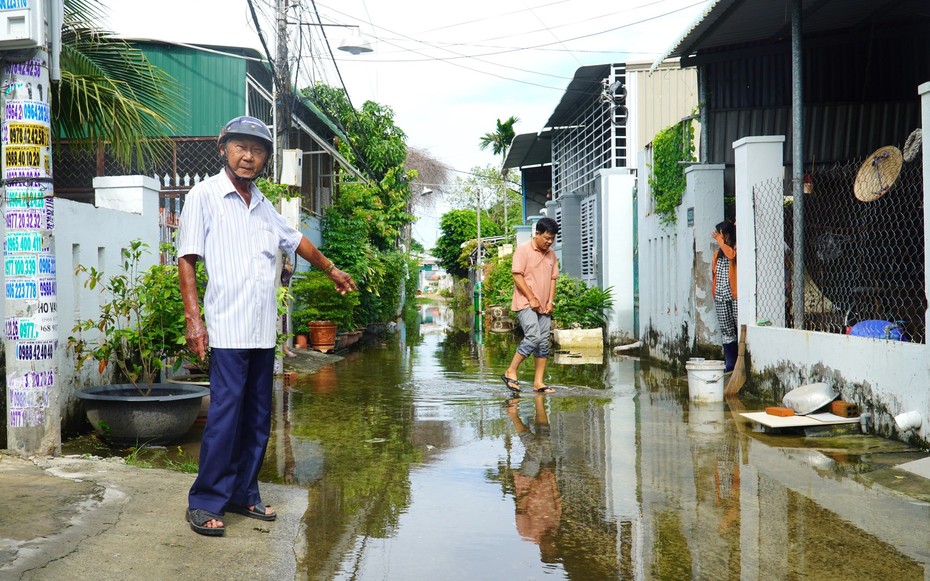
[238,426]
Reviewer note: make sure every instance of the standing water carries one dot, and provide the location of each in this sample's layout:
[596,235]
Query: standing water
[419,465]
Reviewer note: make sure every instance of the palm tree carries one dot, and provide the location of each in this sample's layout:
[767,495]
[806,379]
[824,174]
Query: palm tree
[109,92]
[501,139]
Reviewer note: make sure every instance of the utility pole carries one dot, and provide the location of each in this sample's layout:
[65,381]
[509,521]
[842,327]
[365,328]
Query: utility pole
[30,33]
[282,89]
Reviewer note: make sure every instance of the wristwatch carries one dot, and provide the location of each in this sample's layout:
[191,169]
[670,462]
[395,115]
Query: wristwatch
[330,268]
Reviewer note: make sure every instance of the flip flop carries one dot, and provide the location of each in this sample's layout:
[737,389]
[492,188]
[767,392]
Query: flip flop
[258,512]
[512,384]
[198,518]
[544,389]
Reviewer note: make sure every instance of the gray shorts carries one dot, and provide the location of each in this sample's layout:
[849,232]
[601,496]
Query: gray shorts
[535,333]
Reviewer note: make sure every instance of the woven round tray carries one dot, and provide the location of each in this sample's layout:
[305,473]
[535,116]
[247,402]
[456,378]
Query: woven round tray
[878,174]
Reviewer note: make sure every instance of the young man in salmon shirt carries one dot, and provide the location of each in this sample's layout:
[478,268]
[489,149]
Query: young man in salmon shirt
[535,270]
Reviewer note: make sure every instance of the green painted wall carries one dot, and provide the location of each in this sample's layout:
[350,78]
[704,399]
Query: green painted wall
[213,86]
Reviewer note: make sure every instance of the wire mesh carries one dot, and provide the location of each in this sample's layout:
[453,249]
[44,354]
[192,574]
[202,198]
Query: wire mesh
[863,252]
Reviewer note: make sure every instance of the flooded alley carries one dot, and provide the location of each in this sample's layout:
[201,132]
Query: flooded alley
[418,464]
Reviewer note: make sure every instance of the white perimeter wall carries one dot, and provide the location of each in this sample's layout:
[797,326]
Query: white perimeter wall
[884,378]
[616,268]
[675,300]
[95,236]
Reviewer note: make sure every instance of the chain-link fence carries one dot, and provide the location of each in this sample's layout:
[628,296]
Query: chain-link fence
[863,249]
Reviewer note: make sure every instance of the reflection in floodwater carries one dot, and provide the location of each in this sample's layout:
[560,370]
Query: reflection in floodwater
[418,467]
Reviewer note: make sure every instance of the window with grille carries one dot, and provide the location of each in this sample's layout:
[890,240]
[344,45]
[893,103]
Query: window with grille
[593,140]
[589,239]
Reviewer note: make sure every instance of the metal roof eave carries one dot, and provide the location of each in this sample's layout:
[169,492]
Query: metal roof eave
[529,149]
[730,23]
[674,49]
[586,82]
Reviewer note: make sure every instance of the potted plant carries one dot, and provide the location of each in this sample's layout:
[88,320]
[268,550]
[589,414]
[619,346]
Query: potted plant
[580,313]
[139,327]
[321,310]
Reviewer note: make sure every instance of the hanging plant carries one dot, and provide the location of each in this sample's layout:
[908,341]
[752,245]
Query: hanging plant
[671,146]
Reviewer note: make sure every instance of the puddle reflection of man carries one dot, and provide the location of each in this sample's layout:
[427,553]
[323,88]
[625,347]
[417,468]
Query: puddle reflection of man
[536,490]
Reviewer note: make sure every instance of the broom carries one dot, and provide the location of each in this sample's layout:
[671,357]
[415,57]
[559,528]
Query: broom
[738,377]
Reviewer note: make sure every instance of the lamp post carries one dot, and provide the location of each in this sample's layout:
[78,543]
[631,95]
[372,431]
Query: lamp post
[479,276]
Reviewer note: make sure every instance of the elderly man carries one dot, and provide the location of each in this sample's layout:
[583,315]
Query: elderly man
[228,223]
[535,270]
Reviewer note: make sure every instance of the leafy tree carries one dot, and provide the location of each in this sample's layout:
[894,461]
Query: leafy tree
[375,142]
[362,227]
[458,228]
[109,92]
[495,192]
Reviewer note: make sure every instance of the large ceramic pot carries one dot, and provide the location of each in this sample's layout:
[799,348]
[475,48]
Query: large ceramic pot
[125,418]
[202,379]
[322,335]
[503,325]
[499,311]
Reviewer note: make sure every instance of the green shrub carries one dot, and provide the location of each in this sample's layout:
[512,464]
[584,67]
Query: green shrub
[315,299]
[498,283]
[577,304]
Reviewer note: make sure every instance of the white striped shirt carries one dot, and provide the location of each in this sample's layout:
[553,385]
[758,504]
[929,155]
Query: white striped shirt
[239,246]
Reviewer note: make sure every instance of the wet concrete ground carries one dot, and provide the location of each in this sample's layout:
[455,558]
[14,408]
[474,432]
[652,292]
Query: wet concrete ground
[415,463]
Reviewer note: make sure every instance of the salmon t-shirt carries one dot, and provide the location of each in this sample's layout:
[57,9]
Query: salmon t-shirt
[539,268]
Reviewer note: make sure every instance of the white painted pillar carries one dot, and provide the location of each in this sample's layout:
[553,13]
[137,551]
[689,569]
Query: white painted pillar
[702,210]
[127,194]
[32,339]
[760,230]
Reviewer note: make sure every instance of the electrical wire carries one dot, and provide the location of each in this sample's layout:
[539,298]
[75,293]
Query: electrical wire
[449,60]
[531,47]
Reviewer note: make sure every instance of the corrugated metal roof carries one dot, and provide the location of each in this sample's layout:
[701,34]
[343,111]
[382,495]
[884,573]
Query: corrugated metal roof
[736,22]
[529,149]
[213,84]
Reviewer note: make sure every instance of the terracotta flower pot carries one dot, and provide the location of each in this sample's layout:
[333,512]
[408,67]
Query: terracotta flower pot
[322,335]
[300,341]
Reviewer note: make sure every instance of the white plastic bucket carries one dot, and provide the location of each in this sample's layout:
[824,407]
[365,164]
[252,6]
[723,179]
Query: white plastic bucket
[705,380]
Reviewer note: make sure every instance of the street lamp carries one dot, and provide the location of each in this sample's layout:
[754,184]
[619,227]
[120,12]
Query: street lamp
[355,43]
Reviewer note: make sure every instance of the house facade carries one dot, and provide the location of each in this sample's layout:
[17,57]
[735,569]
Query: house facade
[816,142]
[580,170]
[216,84]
